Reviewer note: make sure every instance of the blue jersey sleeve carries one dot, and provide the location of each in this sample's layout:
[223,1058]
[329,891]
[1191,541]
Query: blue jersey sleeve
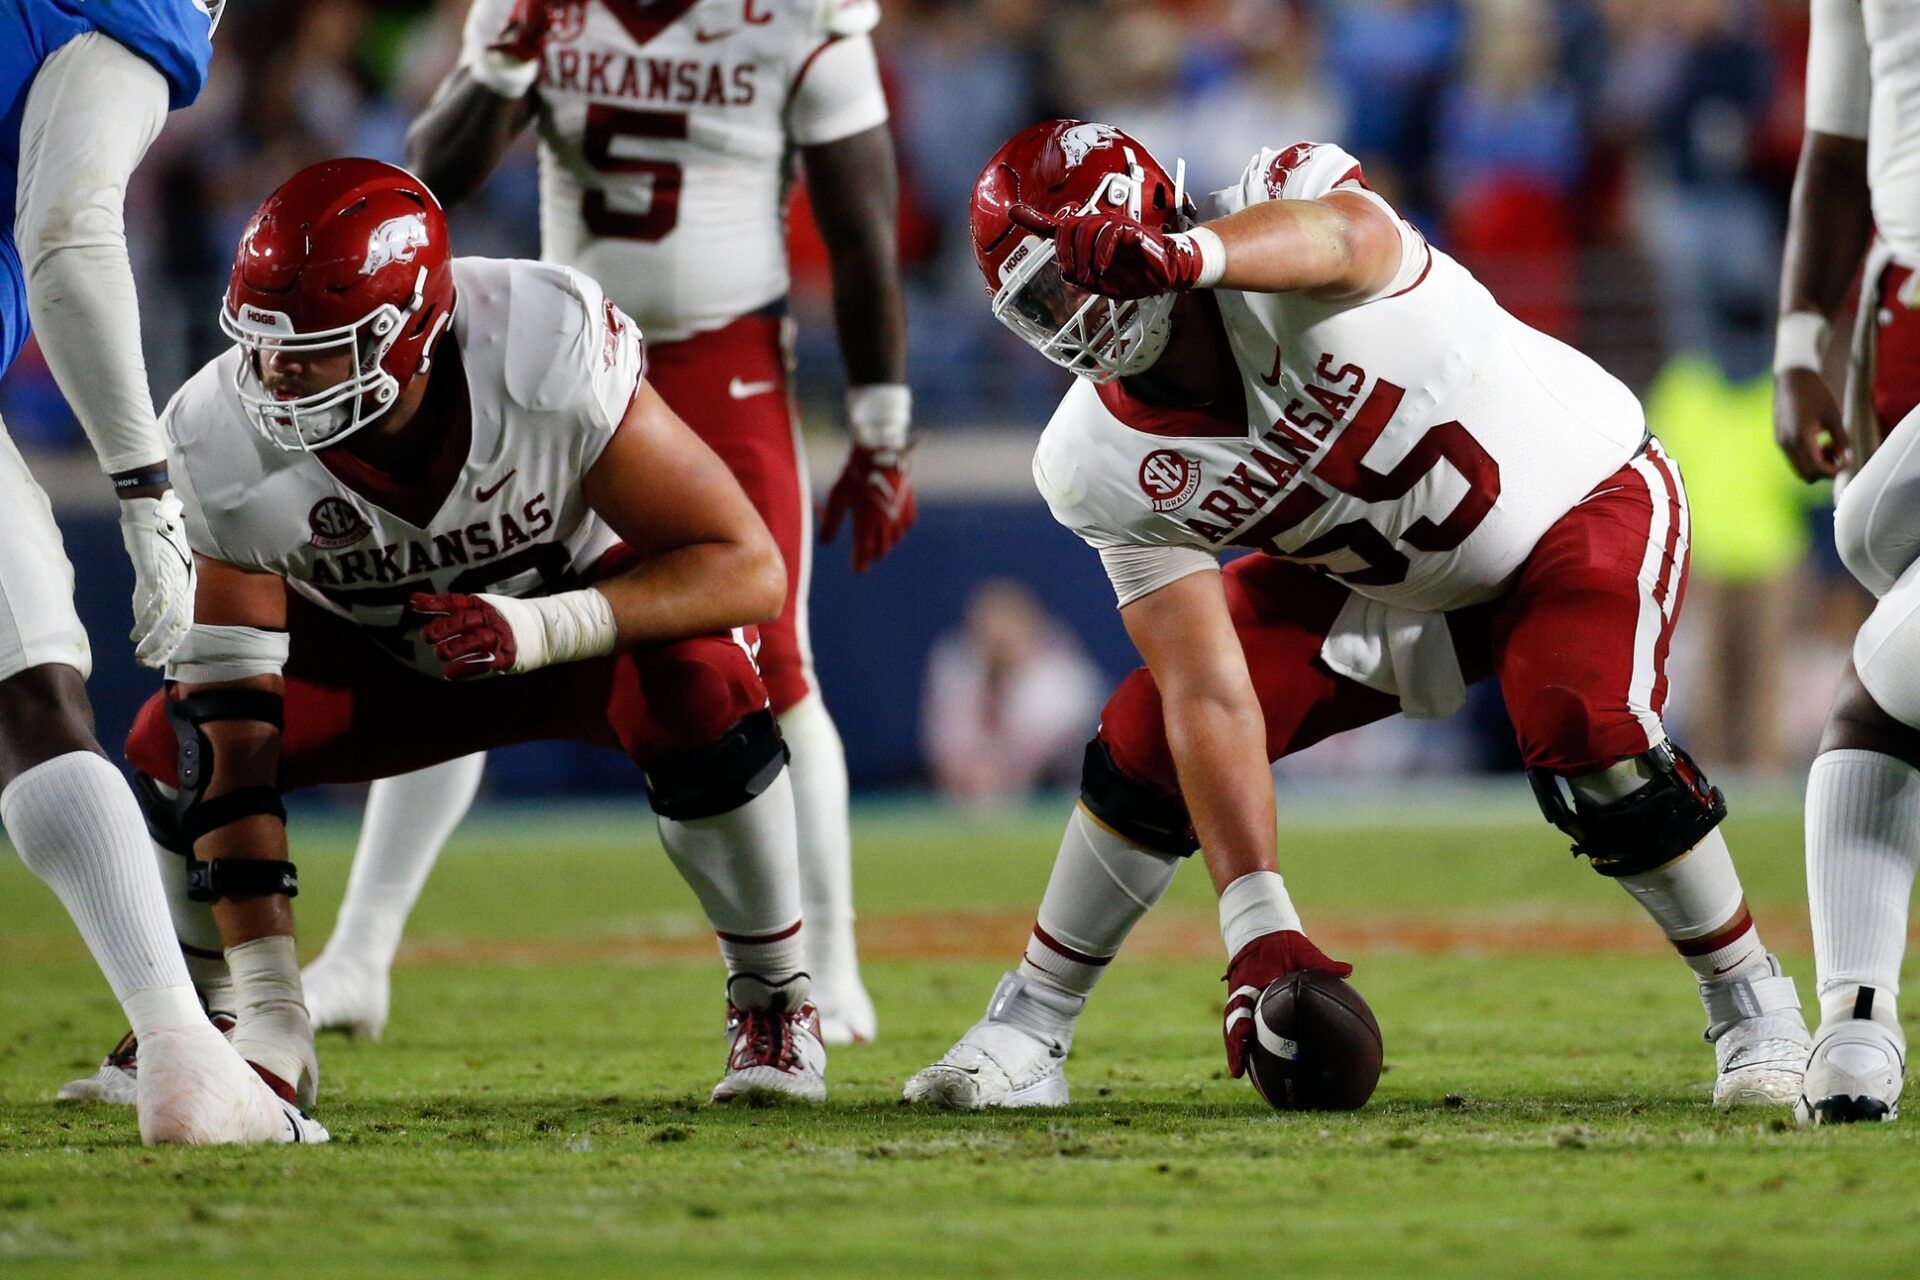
[176,36]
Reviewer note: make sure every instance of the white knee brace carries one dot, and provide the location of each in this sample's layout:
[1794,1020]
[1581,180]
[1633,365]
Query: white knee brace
[1875,527]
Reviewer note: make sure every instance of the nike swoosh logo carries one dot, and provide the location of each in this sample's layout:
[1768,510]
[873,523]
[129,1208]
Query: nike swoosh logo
[708,37]
[747,390]
[1273,379]
[486,494]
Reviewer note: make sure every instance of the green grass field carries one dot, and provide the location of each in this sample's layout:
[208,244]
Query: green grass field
[535,1107]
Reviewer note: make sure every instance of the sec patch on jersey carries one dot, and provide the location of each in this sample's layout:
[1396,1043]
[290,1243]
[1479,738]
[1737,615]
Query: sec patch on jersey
[1316,1045]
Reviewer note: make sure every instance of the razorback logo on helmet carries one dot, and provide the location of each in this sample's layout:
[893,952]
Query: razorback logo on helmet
[395,240]
[1078,141]
[1168,478]
[336,523]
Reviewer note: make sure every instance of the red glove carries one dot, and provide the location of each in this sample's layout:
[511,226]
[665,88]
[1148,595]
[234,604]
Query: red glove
[1107,252]
[876,490]
[468,635]
[1257,966]
[524,34]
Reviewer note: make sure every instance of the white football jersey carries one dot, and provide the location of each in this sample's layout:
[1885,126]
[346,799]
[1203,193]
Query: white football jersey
[1863,81]
[551,366]
[1415,445]
[667,130]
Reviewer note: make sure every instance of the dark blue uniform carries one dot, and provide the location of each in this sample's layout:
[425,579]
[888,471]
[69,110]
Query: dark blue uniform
[176,36]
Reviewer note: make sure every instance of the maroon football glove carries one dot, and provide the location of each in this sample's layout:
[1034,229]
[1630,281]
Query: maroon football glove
[1257,966]
[875,489]
[468,635]
[1107,252]
[524,34]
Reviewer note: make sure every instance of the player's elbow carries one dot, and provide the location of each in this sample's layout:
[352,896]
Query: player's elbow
[760,578]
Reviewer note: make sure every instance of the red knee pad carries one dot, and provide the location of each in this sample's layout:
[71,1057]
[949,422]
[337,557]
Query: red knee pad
[1134,730]
[686,695]
[152,746]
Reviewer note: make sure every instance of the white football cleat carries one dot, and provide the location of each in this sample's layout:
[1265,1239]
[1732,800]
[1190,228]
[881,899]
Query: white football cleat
[774,1047]
[1854,1073]
[194,1090]
[1760,1041]
[116,1082]
[1014,1057]
[345,996]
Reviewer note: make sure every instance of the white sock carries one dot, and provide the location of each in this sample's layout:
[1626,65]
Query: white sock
[163,1009]
[199,936]
[1696,899]
[1863,846]
[407,822]
[1100,887]
[818,775]
[744,868]
[274,1030]
[77,826]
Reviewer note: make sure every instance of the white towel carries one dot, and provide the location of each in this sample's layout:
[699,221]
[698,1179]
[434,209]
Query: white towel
[1403,652]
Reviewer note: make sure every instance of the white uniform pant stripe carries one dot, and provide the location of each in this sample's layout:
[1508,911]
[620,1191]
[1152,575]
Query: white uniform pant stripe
[1654,614]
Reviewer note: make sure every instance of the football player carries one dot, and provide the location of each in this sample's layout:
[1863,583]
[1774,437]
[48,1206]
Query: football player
[1863,796]
[89,88]
[1434,493]
[438,507]
[667,133]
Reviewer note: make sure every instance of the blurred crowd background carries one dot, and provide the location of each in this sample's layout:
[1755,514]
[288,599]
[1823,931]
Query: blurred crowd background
[1616,170]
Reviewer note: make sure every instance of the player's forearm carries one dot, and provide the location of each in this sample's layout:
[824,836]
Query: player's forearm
[854,190]
[461,135]
[1283,246]
[94,110]
[696,590]
[1829,223]
[1219,752]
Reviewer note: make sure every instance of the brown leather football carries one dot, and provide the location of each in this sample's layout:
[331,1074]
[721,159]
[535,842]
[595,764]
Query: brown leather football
[1316,1045]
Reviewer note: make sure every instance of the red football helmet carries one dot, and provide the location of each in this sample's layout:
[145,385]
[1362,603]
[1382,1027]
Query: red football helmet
[349,257]
[1062,167]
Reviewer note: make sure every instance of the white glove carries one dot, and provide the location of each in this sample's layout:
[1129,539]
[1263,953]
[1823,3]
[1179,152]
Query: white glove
[163,576]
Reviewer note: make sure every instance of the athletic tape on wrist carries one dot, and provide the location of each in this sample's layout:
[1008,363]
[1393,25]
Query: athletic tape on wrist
[880,415]
[558,628]
[1800,341]
[1213,256]
[1253,906]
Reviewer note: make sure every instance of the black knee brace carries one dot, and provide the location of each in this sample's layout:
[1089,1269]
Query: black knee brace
[1151,819]
[178,823]
[1672,813]
[721,776]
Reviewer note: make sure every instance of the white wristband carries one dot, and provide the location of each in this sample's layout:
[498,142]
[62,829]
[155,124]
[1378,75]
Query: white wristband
[1213,254]
[1253,906]
[1800,341]
[508,77]
[554,629]
[880,416]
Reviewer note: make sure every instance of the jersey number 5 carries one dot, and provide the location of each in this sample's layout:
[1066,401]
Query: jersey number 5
[606,128]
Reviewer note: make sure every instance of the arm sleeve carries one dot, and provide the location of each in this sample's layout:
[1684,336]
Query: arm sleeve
[93,110]
[1141,571]
[1839,83]
[1311,170]
[838,93]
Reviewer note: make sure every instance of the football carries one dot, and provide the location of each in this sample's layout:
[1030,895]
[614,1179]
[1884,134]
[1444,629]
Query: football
[1316,1045]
